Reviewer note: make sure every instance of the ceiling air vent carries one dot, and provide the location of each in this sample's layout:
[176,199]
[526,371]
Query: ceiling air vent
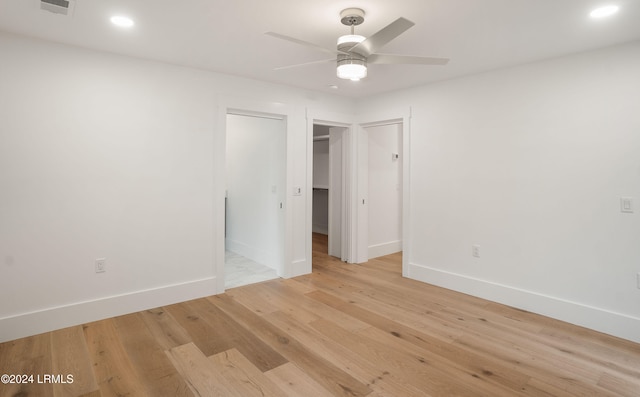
[64,7]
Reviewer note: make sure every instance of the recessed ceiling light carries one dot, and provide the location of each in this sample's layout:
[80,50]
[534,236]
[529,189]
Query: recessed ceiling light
[604,12]
[122,21]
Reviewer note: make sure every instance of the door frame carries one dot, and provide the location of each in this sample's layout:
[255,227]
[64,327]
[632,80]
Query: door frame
[347,221]
[255,109]
[397,116]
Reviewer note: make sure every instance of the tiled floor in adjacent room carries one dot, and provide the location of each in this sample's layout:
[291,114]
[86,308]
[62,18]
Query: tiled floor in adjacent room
[241,271]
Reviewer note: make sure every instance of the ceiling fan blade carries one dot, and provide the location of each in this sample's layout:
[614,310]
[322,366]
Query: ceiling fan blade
[405,59]
[301,42]
[383,36]
[305,64]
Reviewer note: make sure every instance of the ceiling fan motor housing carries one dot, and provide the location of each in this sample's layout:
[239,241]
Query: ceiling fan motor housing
[352,58]
[345,45]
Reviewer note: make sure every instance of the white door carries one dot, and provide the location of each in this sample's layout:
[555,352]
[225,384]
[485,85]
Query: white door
[336,192]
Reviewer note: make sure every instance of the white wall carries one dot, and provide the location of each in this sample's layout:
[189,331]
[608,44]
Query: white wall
[110,156]
[256,182]
[530,163]
[385,189]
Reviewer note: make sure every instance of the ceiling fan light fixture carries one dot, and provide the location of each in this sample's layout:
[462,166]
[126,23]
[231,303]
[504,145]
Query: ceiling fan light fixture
[350,39]
[351,65]
[352,69]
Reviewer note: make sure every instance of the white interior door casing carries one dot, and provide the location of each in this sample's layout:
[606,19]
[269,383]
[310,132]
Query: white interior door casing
[344,124]
[360,181]
[256,179]
[290,119]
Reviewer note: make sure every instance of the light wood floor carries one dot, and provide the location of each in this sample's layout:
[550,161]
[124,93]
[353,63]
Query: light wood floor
[346,330]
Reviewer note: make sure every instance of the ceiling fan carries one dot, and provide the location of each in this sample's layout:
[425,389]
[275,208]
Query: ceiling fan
[354,52]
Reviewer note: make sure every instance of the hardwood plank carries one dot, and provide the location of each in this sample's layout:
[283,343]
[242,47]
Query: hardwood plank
[568,363]
[364,278]
[28,356]
[243,375]
[271,293]
[96,393]
[299,287]
[164,328]
[547,370]
[486,376]
[375,376]
[70,356]
[294,382]
[114,372]
[199,373]
[148,357]
[400,309]
[538,388]
[621,386]
[222,333]
[306,310]
[249,298]
[322,371]
[401,368]
[199,330]
[622,356]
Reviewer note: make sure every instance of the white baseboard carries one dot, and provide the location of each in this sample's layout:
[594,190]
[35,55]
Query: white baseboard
[385,249]
[598,319]
[37,322]
[299,268]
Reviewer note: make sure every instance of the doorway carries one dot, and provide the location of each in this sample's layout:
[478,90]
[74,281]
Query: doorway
[328,183]
[385,176]
[254,198]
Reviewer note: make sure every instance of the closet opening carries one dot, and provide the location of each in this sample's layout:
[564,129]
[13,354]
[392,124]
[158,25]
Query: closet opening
[328,200]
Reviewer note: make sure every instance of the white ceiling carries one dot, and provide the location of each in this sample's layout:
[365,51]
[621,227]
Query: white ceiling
[228,35]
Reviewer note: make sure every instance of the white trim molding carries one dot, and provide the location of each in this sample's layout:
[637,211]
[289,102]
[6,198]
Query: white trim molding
[383,249]
[294,119]
[53,318]
[395,116]
[595,318]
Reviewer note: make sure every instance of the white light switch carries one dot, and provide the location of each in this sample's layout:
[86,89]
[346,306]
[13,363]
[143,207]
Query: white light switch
[626,204]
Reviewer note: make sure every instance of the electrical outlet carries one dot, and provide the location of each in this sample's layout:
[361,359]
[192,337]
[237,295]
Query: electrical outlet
[475,250]
[626,204]
[101,265]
